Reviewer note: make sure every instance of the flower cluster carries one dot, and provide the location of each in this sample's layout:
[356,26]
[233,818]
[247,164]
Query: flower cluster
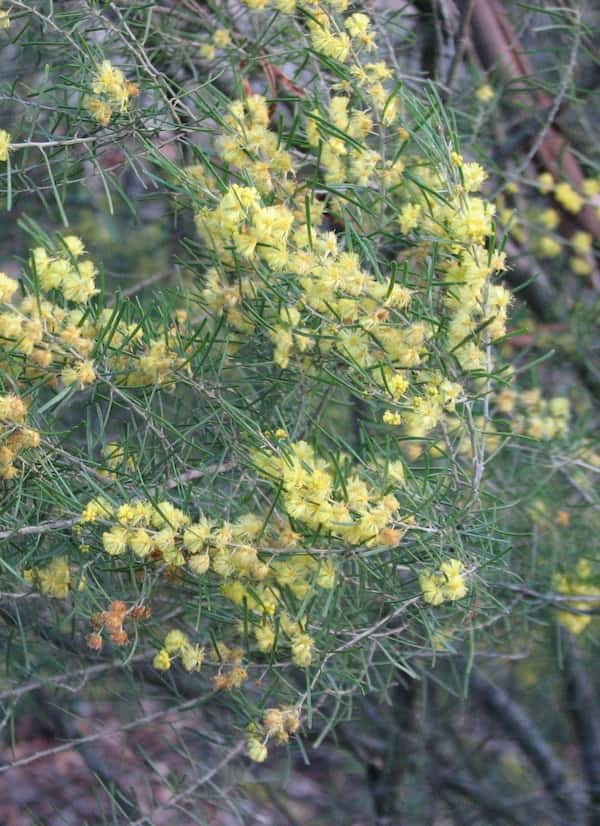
[580,582]
[220,39]
[340,134]
[533,415]
[15,437]
[228,661]
[112,622]
[112,93]
[347,509]
[176,644]
[52,334]
[277,724]
[65,272]
[231,672]
[256,579]
[541,229]
[42,336]
[53,579]
[446,584]
[266,237]
[339,243]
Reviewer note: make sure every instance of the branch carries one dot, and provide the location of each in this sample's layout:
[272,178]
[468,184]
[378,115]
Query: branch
[461,44]
[43,527]
[498,47]
[385,778]
[176,799]
[509,714]
[584,711]
[65,729]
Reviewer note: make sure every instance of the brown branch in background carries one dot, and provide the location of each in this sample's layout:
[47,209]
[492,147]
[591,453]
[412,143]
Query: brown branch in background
[274,74]
[533,285]
[199,473]
[511,717]
[384,778]
[441,22]
[499,48]
[461,44]
[447,780]
[491,807]
[582,705]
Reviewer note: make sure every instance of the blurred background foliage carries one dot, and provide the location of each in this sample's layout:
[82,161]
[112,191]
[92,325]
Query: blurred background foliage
[500,725]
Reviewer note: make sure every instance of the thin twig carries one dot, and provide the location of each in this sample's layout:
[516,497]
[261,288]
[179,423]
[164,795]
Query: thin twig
[43,527]
[201,781]
[461,45]
[101,735]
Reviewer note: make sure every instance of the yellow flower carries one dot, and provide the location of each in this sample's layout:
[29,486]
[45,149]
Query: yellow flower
[331,45]
[76,287]
[221,38]
[140,542]
[199,564]
[432,588]
[549,247]
[82,374]
[162,660]
[484,93]
[473,176]
[302,646]
[12,408]
[358,26]
[192,657]
[5,140]
[207,51]
[234,591]
[455,586]
[392,417]
[110,82]
[549,218]
[175,641]
[265,637]
[575,623]
[8,287]
[567,197]
[165,540]
[591,187]
[582,242]
[257,750]
[326,575]
[55,578]
[545,183]
[115,540]
[99,109]
[580,266]
[96,509]
[409,217]
[74,245]
[194,537]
